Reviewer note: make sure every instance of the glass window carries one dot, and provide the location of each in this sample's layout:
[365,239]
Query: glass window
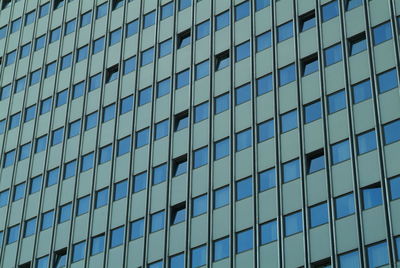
[15,25]
[265,130]
[263,41]
[260,4]
[244,188]
[65,213]
[52,177]
[307,21]
[333,54]
[344,205]
[242,10]
[165,48]
[361,91]
[97,245]
[112,74]
[57,136]
[25,51]
[3,126]
[315,161]
[149,19]
[287,74]
[66,61]
[126,105]
[45,106]
[132,28]
[124,146]
[382,33]
[139,182]
[39,42]
[372,196]
[105,154]
[285,31]
[137,229]
[117,237]
[199,205]
[242,94]
[398,247]
[202,69]
[201,112]
[244,240]
[310,65]
[202,29]
[62,98]
[242,51]
[183,39]
[318,215]
[180,166]
[70,27]
[147,56]
[98,45]
[268,232]
[142,137]
[30,17]
[30,113]
[70,169]
[3,32]
[101,10]
[198,256]
[91,121]
[177,261]
[35,77]
[78,251]
[178,213]
[330,10]
[161,129]
[10,58]
[9,158]
[74,128]
[47,220]
[4,198]
[157,221]
[200,157]
[95,82]
[291,170]
[82,53]
[86,18]
[267,179]
[163,87]
[87,162]
[115,37]
[288,121]
[167,10]
[34,185]
[243,140]
[357,44]
[182,79]
[221,103]
[293,223]
[108,112]
[221,197]
[55,35]
[101,198]
[340,152]
[5,92]
[12,234]
[41,143]
[83,205]
[350,259]
[387,80]
[19,191]
[394,185]
[312,112]
[14,120]
[222,20]
[350,4]
[29,227]
[222,60]
[366,142]
[221,249]
[183,4]
[221,148]
[20,84]
[336,101]
[160,174]
[378,255]
[117,4]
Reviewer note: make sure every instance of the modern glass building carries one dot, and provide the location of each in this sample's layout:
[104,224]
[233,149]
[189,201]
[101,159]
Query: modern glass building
[208,133]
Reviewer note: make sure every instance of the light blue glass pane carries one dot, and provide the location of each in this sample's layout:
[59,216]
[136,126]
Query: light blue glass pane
[394,188]
[101,198]
[398,248]
[4,198]
[221,249]
[285,31]
[130,65]
[242,51]
[13,233]
[199,257]
[312,112]
[74,128]
[19,191]
[145,96]
[222,103]
[202,70]
[287,75]
[340,152]
[242,94]
[291,170]
[199,205]
[177,261]
[330,11]
[378,255]
[221,197]
[372,197]
[260,4]
[264,84]
[221,149]
[362,91]
[41,144]
[157,221]
[65,213]
[387,81]
[316,163]
[30,227]
[42,262]
[158,264]
[268,232]
[86,18]
[182,79]
[243,140]
[310,67]
[392,132]
[353,4]
[167,10]
[382,33]
[358,46]
[165,48]
[160,174]
[149,19]
[83,205]
[139,182]
[318,215]
[137,228]
[147,56]
[293,223]
[126,105]
[97,245]
[308,23]
[244,189]
[242,10]
[101,11]
[124,146]
[132,28]
[267,179]
[244,241]
[78,251]
[52,177]
[202,30]
[87,162]
[222,20]
[9,158]
[105,154]
[200,157]
[161,129]
[35,185]
[120,190]
[70,27]
[201,112]
[333,54]
[366,142]
[108,113]
[47,220]
[183,4]
[337,101]
[351,259]
[117,237]
[288,121]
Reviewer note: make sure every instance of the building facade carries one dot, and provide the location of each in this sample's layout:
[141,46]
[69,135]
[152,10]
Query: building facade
[208,133]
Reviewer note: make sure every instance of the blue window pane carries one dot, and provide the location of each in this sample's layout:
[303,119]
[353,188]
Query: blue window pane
[333,54]
[47,220]
[180,166]
[182,79]
[129,65]
[183,4]
[12,234]
[101,10]
[101,198]
[62,98]
[41,144]
[362,91]
[244,188]
[307,22]
[242,51]
[260,4]
[221,149]
[66,61]
[267,179]
[202,29]
[391,132]
[108,113]
[285,31]
[70,169]
[117,237]
[243,140]
[25,51]
[221,197]
[293,223]
[353,4]
[351,259]
[145,96]
[165,48]
[83,205]
[200,157]
[137,229]
[222,20]
[268,232]
[157,221]
[315,162]
[242,10]
[52,177]
[139,182]
[358,46]
[19,191]
[10,59]
[242,94]
[30,227]
[9,158]
[221,249]
[86,19]
[15,25]
[387,80]
[199,205]
[366,142]
[132,28]
[160,174]
[177,261]
[336,101]
[14,120]
[394,185]
[45,106]
[287,75]
[142,138]
[78,90]
[98,45]
[97,245]
[318,215]
[221,103]
[39,42]
[382,33]
[70,27]
[167,10]
[199,256]
[312,112]
[126,105]
[78,251]
[95,82]
[35,77]
[4,198]
[398,248]
[74,128]
[5,92]
[344,205]
[158,264]
[372,197]
[35,185]
[105,154]
[65,213]
[161,129]
[264,84]
[340,152]
[201,112]
[291,170]
[178,214]
[55,35]
[57,136]
[147,56]
[378,255]
[263,41]
[266,130]
[30,113]
[244,240]
[288,121]
[124,146]
[163,87]
[115,37]
[3,125]
[87,162]
[202,70]
[330,10]
[149,19]
[310,66]
[3,32]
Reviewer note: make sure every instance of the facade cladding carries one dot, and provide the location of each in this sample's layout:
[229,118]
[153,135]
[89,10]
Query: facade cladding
[209,133]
